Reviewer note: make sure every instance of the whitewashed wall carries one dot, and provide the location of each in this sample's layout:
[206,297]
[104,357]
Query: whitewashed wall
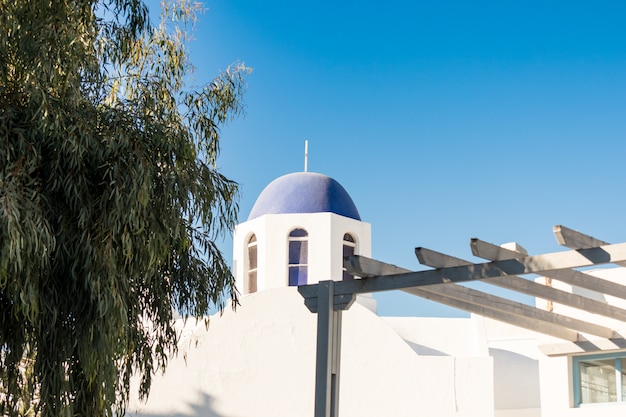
[556,372]
[325,231]
[260,361]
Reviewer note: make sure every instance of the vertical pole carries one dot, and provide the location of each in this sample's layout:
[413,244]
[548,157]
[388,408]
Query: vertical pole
[335,359]
[328,353]
[306,155]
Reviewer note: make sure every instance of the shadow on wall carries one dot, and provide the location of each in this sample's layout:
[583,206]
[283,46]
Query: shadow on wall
[201,408]
[515,380]
[425,350]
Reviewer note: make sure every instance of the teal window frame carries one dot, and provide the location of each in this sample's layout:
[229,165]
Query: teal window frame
[619,364]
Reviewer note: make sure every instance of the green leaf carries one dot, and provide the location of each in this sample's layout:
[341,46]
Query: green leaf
[109,199]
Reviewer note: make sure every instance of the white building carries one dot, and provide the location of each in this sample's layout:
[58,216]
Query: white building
[260,360]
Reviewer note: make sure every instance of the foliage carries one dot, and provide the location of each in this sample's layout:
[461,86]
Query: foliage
[110,200]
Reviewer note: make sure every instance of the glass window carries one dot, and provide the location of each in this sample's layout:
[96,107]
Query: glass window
[251,276]
[349,247]
[298,257]
[599,378]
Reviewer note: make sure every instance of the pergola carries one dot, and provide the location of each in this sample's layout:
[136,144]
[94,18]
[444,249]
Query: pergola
[504,267]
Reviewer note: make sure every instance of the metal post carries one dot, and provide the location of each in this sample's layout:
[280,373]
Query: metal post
[336,356]
[328,353]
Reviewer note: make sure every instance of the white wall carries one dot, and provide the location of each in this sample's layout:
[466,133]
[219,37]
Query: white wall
[517,385]
[260,361]
[433,336]
[326,231]
[556,371]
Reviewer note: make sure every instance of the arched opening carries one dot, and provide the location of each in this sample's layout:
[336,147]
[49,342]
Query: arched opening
[349,249]
[298,257]
[251,270]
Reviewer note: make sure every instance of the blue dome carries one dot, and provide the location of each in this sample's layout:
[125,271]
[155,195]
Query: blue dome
[304,192]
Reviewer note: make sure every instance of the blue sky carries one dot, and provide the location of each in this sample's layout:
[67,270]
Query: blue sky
[444,120]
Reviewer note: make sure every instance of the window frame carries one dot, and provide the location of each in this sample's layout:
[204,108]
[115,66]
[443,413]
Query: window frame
[345,276]
[251,243]
[304,238]
[619,365]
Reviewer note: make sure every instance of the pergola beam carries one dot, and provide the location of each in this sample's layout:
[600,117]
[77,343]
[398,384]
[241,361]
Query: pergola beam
[590,282]
[500,305]
[544,327]
[512,282]
[328,298]
[526,265]
[490,305]
[496,253]
[574,239]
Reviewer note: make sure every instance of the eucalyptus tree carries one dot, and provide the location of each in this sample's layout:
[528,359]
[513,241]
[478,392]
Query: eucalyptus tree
[110,199]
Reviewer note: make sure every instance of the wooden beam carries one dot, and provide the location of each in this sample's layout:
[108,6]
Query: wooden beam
[364,267]
[528,265]
[583,280]
[340,302]
[512,282]
[490,305]
[580,279]
[492,252]
[582,346]
[574,239]
[559,296]
[520,321]
[503,305]
[436,259]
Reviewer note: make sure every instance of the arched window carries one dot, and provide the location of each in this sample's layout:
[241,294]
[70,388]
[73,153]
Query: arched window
[298,256]
[251,275]
[349,247]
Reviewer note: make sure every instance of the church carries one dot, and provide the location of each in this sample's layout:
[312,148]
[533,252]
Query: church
[260,360]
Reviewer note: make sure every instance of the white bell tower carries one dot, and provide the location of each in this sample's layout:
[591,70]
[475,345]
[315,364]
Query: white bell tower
[299,230]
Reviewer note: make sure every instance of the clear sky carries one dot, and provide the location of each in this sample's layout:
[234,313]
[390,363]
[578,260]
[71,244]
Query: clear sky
[444,120]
